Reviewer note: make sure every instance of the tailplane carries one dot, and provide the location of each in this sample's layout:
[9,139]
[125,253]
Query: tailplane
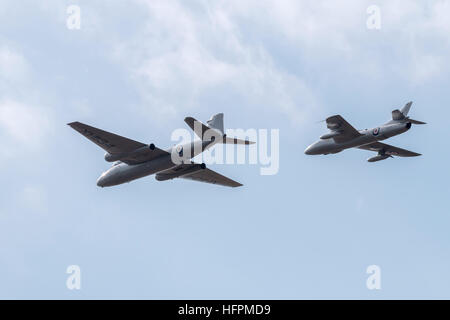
[214,130]
[402,115]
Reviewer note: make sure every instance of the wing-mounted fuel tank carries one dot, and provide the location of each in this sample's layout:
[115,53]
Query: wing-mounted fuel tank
[119,156]
[379,157]
[180,171]
[330,134]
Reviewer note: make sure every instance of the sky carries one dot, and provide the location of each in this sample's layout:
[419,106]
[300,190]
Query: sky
[138,68]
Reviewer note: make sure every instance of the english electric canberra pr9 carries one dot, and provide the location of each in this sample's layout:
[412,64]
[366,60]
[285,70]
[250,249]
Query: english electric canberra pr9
[134,160]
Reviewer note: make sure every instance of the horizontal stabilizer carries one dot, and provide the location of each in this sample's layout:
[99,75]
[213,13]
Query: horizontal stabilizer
[416,121]
[213,129]
[229,140]
[200,128]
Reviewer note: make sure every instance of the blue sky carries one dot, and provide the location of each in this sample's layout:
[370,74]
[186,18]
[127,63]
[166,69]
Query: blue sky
[138,68]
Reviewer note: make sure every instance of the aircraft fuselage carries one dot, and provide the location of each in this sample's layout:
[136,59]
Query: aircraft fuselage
[388,130]
[121,172]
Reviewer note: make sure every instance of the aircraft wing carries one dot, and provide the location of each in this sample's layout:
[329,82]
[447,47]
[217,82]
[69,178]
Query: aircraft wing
[389,150]
[115,144]
[209,176]
[194,171]
[337,123]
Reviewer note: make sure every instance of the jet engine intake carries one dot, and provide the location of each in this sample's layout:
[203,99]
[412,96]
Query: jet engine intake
[112,157]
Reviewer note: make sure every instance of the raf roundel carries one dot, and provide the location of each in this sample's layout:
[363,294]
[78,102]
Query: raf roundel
[180,150]
[376,131]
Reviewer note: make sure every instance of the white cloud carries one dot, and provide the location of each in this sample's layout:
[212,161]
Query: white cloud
[183,53]
[22,127]
[34,197]
[177,53]
[186,50]
[13,66]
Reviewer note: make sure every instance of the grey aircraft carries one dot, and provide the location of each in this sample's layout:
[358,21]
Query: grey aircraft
[343,136]
[134,160]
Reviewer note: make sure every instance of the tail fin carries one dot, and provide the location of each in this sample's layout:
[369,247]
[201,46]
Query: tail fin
[406,108]
[402,115]
[215,124]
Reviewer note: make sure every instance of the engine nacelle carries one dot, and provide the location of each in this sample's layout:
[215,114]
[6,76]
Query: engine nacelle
[112,157]
[330,135]
[119,156]
[378,158]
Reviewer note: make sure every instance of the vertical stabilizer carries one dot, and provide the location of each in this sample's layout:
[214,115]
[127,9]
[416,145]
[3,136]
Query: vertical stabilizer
[216,122]
[402,114]
[406,108]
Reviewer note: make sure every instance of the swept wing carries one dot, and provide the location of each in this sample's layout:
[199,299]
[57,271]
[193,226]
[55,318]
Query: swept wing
[129,151]
[389,150]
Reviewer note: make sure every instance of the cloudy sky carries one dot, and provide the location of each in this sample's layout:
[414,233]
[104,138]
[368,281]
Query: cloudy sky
[137,68]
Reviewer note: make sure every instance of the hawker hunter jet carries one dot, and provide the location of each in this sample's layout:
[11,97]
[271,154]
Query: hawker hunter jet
[343,136]
[134,160]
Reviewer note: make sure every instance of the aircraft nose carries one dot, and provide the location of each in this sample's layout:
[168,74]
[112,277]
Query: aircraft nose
[100,181]
[308,150]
